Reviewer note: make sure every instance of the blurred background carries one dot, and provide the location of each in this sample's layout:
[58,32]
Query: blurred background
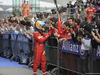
[7,7]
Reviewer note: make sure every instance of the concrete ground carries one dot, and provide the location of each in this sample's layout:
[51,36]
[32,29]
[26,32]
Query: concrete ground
[14,68]
[18,71]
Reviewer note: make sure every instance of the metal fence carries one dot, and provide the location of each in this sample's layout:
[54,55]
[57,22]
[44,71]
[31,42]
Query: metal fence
[70,63]
[71,12]
[17,47]
[63,62]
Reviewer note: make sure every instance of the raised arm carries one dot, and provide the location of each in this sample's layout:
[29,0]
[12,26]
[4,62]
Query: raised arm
[40,38]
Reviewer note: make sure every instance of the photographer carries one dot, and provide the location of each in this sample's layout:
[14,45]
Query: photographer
[86,39]
[97,38]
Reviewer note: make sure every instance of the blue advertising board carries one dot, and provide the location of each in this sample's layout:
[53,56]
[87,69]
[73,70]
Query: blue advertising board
[72,47]
[97,52]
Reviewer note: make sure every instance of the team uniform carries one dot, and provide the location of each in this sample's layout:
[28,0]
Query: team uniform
[6,46]
[28,6]
[65,34]
[88,12]
[24,9]
[39,51]
[13,43]
[21,48]
[31,40]
[62,33]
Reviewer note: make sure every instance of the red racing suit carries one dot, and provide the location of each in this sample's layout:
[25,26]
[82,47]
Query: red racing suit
[39,50]
[63,34]
[88,12]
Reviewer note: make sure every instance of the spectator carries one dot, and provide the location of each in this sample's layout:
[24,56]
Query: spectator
[70,7]
[88,1]
[65,34]
[73,23]
[95,37]
[47,20]
[15,23]
[87,36]
[86,7]
[54,22]
[97,7]
[90,13]
[29,27]
[95,2]
[78,21]
[63,30]
[71,20]
[76,6]
[34,18]
[15,12]
[82,4]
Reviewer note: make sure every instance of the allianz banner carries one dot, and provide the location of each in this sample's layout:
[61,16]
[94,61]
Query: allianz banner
[72,47]
[97,52]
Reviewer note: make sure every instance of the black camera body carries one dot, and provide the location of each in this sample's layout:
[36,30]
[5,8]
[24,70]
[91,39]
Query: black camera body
[60,10]
[39,15]
[53,11]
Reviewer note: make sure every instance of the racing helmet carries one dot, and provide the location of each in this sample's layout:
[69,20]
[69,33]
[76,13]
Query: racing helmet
[40,25]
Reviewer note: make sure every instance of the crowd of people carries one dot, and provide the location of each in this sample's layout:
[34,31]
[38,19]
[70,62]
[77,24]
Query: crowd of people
[23,29]
[85,8]
[15,29]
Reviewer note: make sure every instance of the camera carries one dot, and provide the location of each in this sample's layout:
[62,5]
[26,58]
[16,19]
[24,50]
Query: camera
[53,11]
[39,15]
[60,10]
[94,28]
[46,14]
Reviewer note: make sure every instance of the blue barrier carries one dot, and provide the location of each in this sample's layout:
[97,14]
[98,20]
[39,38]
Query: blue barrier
[97,52]
[72,47]
[16,46]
